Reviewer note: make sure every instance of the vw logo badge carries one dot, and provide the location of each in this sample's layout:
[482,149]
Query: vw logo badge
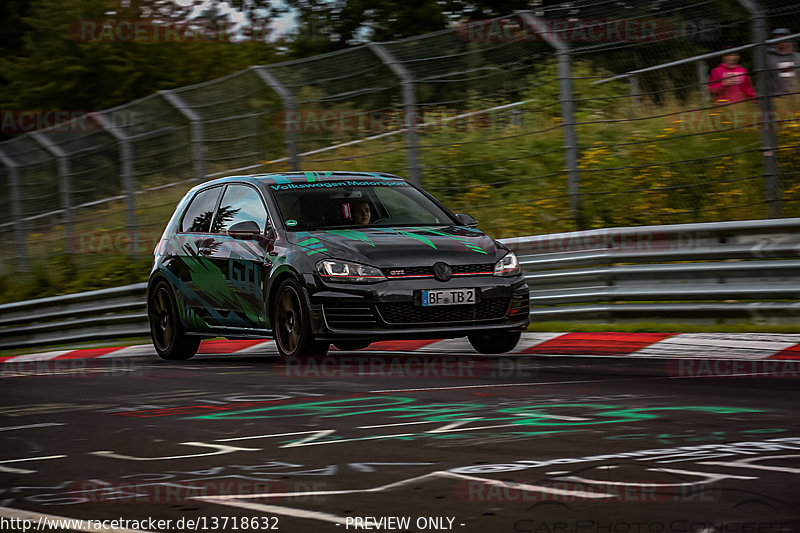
[442,271]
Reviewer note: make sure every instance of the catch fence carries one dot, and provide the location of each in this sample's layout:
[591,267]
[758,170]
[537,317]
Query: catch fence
[584,115]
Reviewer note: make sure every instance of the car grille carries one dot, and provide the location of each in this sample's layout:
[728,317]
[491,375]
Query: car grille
[344,316]
[408,313]
[427,271]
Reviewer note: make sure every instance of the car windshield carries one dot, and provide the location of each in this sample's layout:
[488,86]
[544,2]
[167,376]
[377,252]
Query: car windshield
[351,203]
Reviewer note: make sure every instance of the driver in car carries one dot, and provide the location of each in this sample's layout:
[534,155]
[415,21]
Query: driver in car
[360,212]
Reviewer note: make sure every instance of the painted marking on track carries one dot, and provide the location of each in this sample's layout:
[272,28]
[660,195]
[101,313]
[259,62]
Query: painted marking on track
[235,500]
[573,382]
[490,385]
[312,432]
[44,425]
[221,449]
[368,467]
[748,463]
[558,417]
[22,470]
[285,511]
[72,524]
[399,424]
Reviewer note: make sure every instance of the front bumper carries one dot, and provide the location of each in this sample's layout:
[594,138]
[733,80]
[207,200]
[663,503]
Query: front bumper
[391,309]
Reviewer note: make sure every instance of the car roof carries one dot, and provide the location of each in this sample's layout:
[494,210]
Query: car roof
[303,177]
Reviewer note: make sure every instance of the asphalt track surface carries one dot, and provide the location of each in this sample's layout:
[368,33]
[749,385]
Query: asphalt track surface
[402,442]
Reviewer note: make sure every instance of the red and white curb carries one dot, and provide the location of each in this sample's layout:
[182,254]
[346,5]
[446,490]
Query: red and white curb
[733,346]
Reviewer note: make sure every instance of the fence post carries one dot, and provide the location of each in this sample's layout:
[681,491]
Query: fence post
[702,82]
[635,90]
[409,109]
[289,108]
[566,100]
[64,185]
[126,173]
[198,136]
[769,141]
[16,212]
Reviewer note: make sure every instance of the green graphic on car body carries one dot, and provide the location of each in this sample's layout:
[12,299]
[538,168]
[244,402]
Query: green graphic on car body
[420,238]
[310,245]
[204,273]
[316,176]
[351,234]
[415,234]
[463,240]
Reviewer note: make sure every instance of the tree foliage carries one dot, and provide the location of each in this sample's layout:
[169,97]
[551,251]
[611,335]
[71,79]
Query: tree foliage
[54,66]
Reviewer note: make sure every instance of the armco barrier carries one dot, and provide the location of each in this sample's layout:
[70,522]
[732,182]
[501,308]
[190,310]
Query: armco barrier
[744,270]
[114,313]
[747,270]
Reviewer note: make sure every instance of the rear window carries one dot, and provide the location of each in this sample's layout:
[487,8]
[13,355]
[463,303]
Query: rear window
[197,218]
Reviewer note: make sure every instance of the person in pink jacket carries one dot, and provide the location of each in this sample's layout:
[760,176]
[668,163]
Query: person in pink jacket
[730,82]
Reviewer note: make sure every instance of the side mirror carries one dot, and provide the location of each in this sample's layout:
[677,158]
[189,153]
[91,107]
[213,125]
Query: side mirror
[467,220]
[247,230]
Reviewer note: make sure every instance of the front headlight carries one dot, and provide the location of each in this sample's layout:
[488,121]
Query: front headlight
[335,270]
[507,266]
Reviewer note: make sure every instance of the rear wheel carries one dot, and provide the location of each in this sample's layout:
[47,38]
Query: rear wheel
[293,324]
[493,343]
[350,346]
[169,339]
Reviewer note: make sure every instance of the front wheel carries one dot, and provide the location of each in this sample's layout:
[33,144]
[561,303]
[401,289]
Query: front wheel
[169,339]
[494,343]
[292,324]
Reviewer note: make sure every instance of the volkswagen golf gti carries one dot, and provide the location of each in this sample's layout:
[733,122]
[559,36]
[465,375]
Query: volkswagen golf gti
[319,258]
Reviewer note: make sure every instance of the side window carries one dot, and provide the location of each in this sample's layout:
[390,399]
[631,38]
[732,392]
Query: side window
[239,204]
[197,217]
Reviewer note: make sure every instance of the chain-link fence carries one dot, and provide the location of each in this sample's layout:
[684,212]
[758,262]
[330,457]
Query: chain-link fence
[587,114]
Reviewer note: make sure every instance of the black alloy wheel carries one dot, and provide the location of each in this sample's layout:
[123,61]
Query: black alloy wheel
[169,339]
[293,325]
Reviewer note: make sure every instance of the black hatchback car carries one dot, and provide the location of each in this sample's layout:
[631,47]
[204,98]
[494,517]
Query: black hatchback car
[319,258]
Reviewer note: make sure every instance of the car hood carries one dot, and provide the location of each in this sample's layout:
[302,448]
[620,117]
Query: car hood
[401,246]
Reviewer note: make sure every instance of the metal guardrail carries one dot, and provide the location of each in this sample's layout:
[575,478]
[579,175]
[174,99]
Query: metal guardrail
[114,313]
[688,272]
[707,273]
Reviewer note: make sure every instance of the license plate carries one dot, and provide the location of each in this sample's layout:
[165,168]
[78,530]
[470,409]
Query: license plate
[448,297]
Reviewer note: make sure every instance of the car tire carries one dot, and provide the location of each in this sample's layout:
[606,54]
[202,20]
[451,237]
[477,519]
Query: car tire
[351,346]
[494,343]
[169,338]
[292,323]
